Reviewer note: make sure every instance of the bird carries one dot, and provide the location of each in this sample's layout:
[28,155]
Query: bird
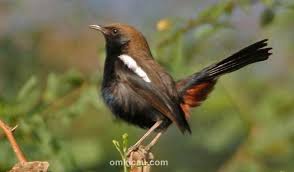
[139,91]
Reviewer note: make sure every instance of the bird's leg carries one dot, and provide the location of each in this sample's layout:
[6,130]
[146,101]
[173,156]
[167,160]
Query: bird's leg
[154,141]
[139,142]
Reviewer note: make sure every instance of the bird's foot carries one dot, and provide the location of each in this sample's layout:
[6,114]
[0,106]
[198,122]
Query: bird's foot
[148,147]
[139,155]
[132,149]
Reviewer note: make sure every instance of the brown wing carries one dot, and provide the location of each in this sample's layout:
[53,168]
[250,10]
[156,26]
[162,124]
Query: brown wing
[162,79]
[159,100]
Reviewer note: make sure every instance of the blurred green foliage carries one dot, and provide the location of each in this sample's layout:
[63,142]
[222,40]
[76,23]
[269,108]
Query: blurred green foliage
[122,148]
[247,123]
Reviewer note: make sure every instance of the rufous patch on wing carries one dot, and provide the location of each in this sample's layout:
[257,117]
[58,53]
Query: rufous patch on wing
[195,95]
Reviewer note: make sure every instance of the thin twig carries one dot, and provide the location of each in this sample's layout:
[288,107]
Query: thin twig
[8,132]
[12,130]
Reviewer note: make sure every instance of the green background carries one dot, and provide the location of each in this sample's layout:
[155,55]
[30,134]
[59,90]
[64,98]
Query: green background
[51,67]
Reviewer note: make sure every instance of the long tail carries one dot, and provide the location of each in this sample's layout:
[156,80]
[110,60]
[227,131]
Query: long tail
[196,87]
[251,54]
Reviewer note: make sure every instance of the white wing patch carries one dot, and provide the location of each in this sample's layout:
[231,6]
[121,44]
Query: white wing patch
[132,64]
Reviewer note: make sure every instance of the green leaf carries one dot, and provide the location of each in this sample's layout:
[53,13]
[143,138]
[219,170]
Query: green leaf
[52,88]
[27,88]
[125,142]
[116,144]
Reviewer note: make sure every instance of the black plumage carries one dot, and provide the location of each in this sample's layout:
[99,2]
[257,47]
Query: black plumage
[143,103]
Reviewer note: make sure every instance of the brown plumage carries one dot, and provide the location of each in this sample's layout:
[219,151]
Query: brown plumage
[139,91]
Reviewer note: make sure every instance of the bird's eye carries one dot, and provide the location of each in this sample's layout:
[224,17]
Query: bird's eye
[114,31]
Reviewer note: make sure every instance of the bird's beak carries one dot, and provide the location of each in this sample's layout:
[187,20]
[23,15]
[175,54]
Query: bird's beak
[100,28]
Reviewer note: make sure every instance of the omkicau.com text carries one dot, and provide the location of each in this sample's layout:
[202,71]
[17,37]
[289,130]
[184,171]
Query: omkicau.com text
[138,163]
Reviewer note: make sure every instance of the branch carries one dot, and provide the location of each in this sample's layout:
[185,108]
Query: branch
[23,165]
[139,160]
[8,132]
[34,166]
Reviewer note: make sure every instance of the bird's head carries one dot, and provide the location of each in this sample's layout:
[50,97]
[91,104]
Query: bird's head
[122,37]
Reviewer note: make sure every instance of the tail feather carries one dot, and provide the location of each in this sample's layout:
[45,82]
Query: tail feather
[251,54]
[195,88]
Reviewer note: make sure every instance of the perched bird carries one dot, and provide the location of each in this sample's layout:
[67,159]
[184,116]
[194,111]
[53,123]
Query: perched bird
[139,91]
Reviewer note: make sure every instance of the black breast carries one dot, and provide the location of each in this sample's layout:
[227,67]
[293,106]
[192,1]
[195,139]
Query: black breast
[125,103]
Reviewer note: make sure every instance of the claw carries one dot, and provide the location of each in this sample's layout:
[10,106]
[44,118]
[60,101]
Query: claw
[132,149]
